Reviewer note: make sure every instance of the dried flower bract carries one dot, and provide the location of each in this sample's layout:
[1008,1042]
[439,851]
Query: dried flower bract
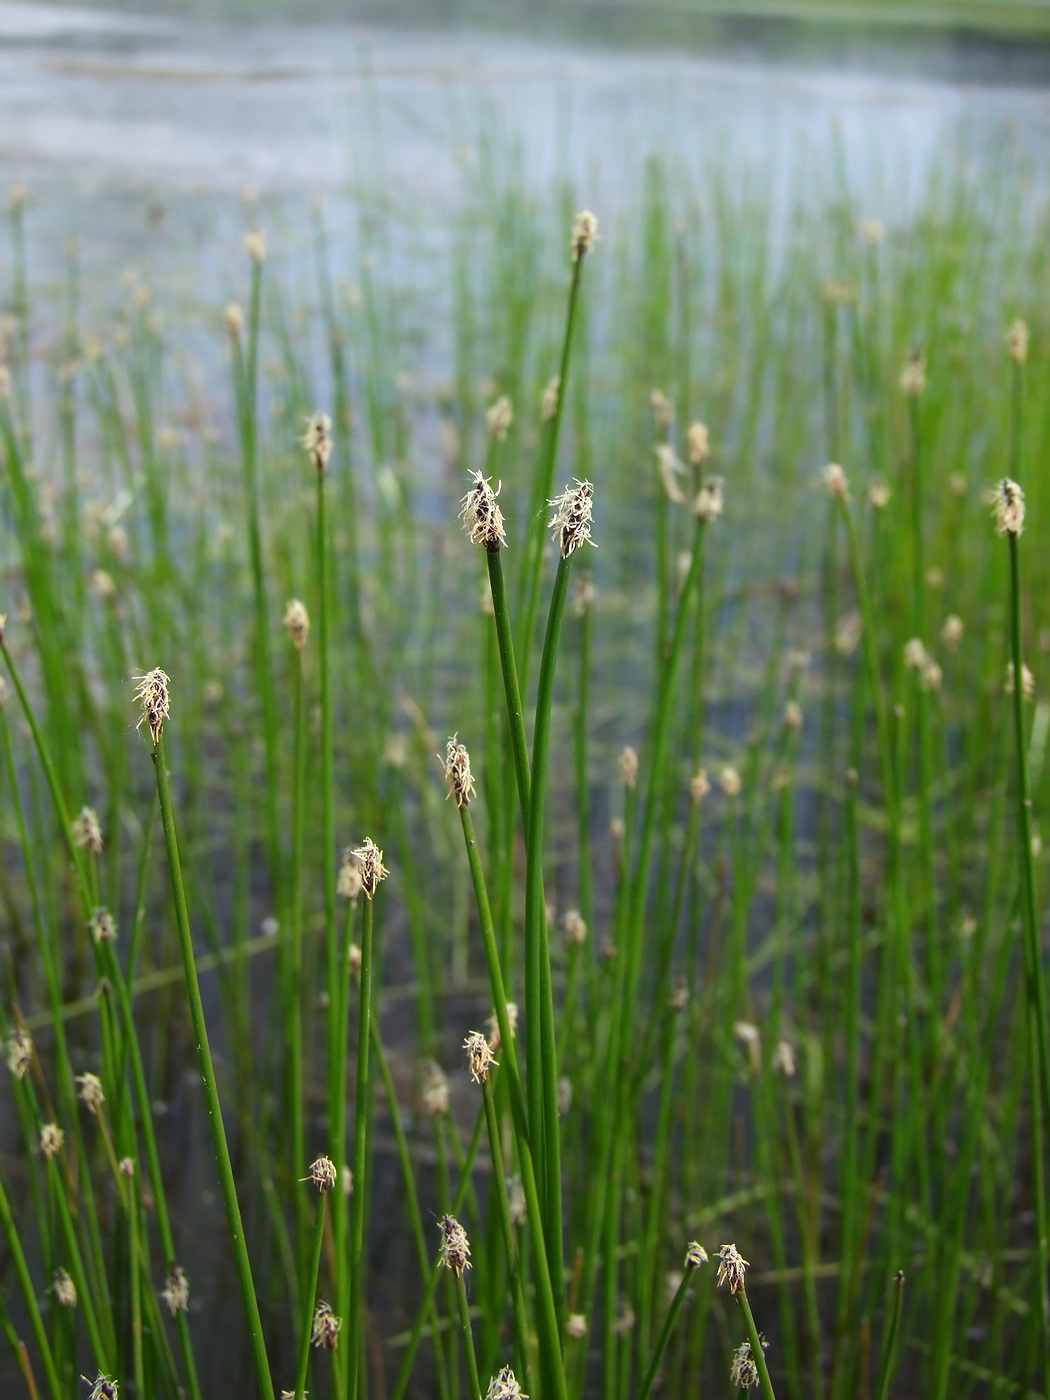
[457,772]
[479,1056]
[317,440]
[322,1173]
[571,522]
[584,234]
[176,1293]
[731,1266]
[455,1247]
[481,516]
[372,868]
[1008,505]
[152,696]
[695,1255]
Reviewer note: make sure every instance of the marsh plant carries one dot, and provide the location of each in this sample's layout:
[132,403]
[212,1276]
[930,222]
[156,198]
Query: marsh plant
[473,848]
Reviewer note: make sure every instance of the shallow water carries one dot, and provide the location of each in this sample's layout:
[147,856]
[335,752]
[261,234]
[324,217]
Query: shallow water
[105,117]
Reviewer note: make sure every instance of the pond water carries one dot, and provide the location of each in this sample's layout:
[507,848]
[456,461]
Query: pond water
[102,115]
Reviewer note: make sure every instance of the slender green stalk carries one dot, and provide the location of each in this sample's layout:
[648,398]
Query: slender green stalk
[310,1291]
[508,665]
[758,1351]
[670,1321]
[227,1184]
[1035,980]
[36,1322]
[889,1348]
[468,1334]
[359,1199]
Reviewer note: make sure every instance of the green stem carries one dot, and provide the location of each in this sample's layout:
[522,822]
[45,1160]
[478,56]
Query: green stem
[757,1350]
[889,1350]
[677,1303]
[227,1183]
[310,1294]
[468,1336]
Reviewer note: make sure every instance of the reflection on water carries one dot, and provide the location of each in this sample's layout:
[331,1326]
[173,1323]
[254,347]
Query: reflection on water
[97,108]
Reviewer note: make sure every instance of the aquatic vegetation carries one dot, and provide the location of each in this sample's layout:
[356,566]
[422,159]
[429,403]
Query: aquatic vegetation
[734,848]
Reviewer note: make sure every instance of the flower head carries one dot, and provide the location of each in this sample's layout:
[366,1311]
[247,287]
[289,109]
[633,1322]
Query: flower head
[433,1088]
[152,696]
[317,440]
[1017,341]
[325,1329]
[695,1255]
[322,1174]
[19,1052]
[103,926]
[457,772]
[176,1292]
[498,418]
[503,1386]
[584,233]
[64,1289]
[455,1247]
[297,623]
[102,1388]
[835,482]
[482,517]
[710,500]
[697,442]
[1008,505]
[743,1373]
[51,1139]
[628,766]
[372,868]
[350,881]
[91,1091]
[731,1268]
[571,522]
[479,1056]
[86,831]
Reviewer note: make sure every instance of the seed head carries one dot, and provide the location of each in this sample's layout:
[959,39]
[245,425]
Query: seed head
[503,1386]
[931,675]
[879,494]
[1008,505]
[628,767]
[498,418]
[322,1173]
[433,1089]
[871,231]
[1017,341]
[297,623]
[584,234]
[325,1329]
[743,1373]
[576,1326]
[86,831]
[234,318]
[176,1292]
[256,245]
[783,1061]
[457,772]
[19,1052]
[126,1167]
[64,1289]
[103,926]
[952,631]
[1027,681]
[913,375]
[102,1388]
[152,696]
[699,786]
[455,1247]
[697,442]
[670,467]
[710,501]
[729,781]
[571,522]
[914,654]
[481,516]
[549,398]
[91,1091]
[695,1255]
[835,482]
[51,1139]
[663,409]
[372,867]
[317,440]
[749,1034]
[479,1056]
[793,716]
[575,927]
[731,1268]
